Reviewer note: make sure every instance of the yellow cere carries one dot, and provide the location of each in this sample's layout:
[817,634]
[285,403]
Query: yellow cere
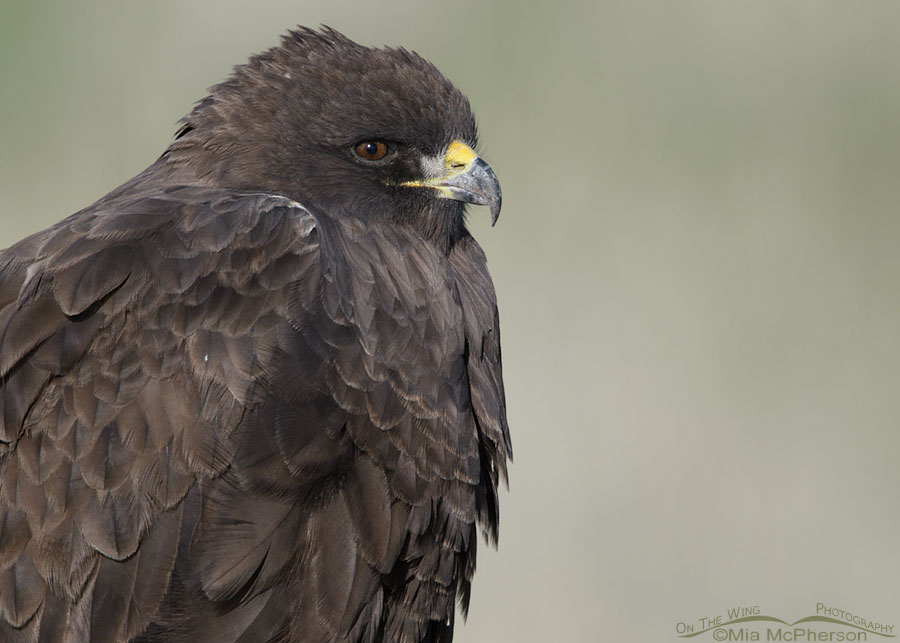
[459,155]
[458,159]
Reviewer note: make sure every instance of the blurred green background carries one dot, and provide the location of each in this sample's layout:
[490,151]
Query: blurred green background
[697,265]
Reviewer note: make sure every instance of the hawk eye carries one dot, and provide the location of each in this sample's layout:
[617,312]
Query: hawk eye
[371,150]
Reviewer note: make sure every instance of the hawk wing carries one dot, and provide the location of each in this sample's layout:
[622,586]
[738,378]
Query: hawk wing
[223,418]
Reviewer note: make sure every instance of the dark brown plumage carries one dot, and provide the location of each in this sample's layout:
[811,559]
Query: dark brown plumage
[254,394]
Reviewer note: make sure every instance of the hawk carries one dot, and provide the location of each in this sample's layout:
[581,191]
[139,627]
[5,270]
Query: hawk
[254,394]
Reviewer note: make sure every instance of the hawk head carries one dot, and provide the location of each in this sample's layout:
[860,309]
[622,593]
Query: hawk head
[346,130]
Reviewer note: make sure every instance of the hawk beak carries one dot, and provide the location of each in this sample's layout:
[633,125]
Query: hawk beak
[466,178]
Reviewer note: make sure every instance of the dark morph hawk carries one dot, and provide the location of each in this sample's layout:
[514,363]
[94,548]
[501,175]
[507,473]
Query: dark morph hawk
[254,394]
